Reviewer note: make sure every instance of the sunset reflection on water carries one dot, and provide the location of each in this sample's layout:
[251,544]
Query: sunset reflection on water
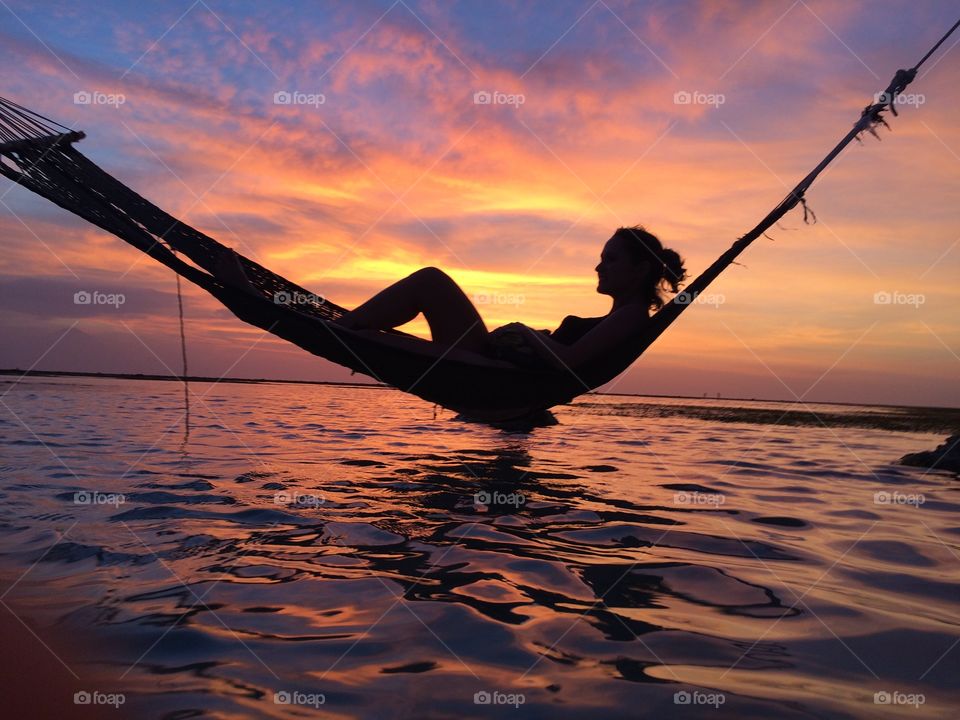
[345,543]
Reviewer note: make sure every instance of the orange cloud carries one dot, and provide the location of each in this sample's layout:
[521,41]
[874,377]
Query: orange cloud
[399,169]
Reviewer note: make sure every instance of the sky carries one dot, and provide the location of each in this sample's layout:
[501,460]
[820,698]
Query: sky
[346,144]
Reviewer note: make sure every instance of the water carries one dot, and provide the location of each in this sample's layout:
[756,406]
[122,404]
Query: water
[345,545]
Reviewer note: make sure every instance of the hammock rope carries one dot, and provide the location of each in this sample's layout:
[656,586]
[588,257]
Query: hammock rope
[38,153]
[870,118]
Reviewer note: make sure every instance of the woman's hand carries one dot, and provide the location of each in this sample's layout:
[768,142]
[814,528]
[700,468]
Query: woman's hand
[546,347]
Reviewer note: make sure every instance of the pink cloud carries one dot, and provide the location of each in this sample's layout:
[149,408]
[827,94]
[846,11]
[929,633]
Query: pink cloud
[515,195]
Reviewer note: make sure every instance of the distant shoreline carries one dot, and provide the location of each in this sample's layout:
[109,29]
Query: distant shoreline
[178,378]
[381,386]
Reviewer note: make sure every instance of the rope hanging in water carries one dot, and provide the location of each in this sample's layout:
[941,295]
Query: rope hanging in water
[183,358]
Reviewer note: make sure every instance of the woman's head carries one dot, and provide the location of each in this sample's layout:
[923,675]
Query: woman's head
[635,264]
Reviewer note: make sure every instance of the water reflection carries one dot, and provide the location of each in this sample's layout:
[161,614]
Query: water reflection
[406,564]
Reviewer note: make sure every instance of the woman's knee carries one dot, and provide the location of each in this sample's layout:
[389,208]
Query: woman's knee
[431,273]
[433,278]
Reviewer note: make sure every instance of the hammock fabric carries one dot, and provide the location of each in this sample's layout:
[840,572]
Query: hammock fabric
[38,153]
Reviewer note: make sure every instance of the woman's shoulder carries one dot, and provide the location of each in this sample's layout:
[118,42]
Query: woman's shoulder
[632,315]
[626,317]
[633,310]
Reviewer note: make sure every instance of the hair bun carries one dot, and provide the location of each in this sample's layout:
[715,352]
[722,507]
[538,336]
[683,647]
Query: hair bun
[642,245]
[674,272]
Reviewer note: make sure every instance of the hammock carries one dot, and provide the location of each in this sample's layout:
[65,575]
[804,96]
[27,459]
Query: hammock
[39,154]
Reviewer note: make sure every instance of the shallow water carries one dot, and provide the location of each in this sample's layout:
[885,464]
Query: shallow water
[345,545]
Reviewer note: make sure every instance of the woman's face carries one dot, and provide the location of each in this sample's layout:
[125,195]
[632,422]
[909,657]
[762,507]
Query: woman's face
[617,272]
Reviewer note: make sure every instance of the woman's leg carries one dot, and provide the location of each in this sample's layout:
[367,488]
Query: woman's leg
[452,318]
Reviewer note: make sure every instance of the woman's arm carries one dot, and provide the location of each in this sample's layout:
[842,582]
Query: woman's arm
[609,333]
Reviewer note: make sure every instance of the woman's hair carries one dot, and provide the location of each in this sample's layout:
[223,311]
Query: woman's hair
[667,270]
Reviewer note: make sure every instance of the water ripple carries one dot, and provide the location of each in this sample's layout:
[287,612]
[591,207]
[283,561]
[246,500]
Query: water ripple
[346,542]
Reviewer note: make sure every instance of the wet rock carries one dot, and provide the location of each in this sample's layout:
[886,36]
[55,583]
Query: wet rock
[945,457]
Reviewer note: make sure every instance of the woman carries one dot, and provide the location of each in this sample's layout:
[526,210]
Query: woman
[635,270]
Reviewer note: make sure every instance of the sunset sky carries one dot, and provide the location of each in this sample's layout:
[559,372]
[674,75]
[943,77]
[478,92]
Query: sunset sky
[398,168]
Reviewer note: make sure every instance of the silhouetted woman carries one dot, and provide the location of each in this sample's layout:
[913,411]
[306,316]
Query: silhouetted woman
[635,270]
